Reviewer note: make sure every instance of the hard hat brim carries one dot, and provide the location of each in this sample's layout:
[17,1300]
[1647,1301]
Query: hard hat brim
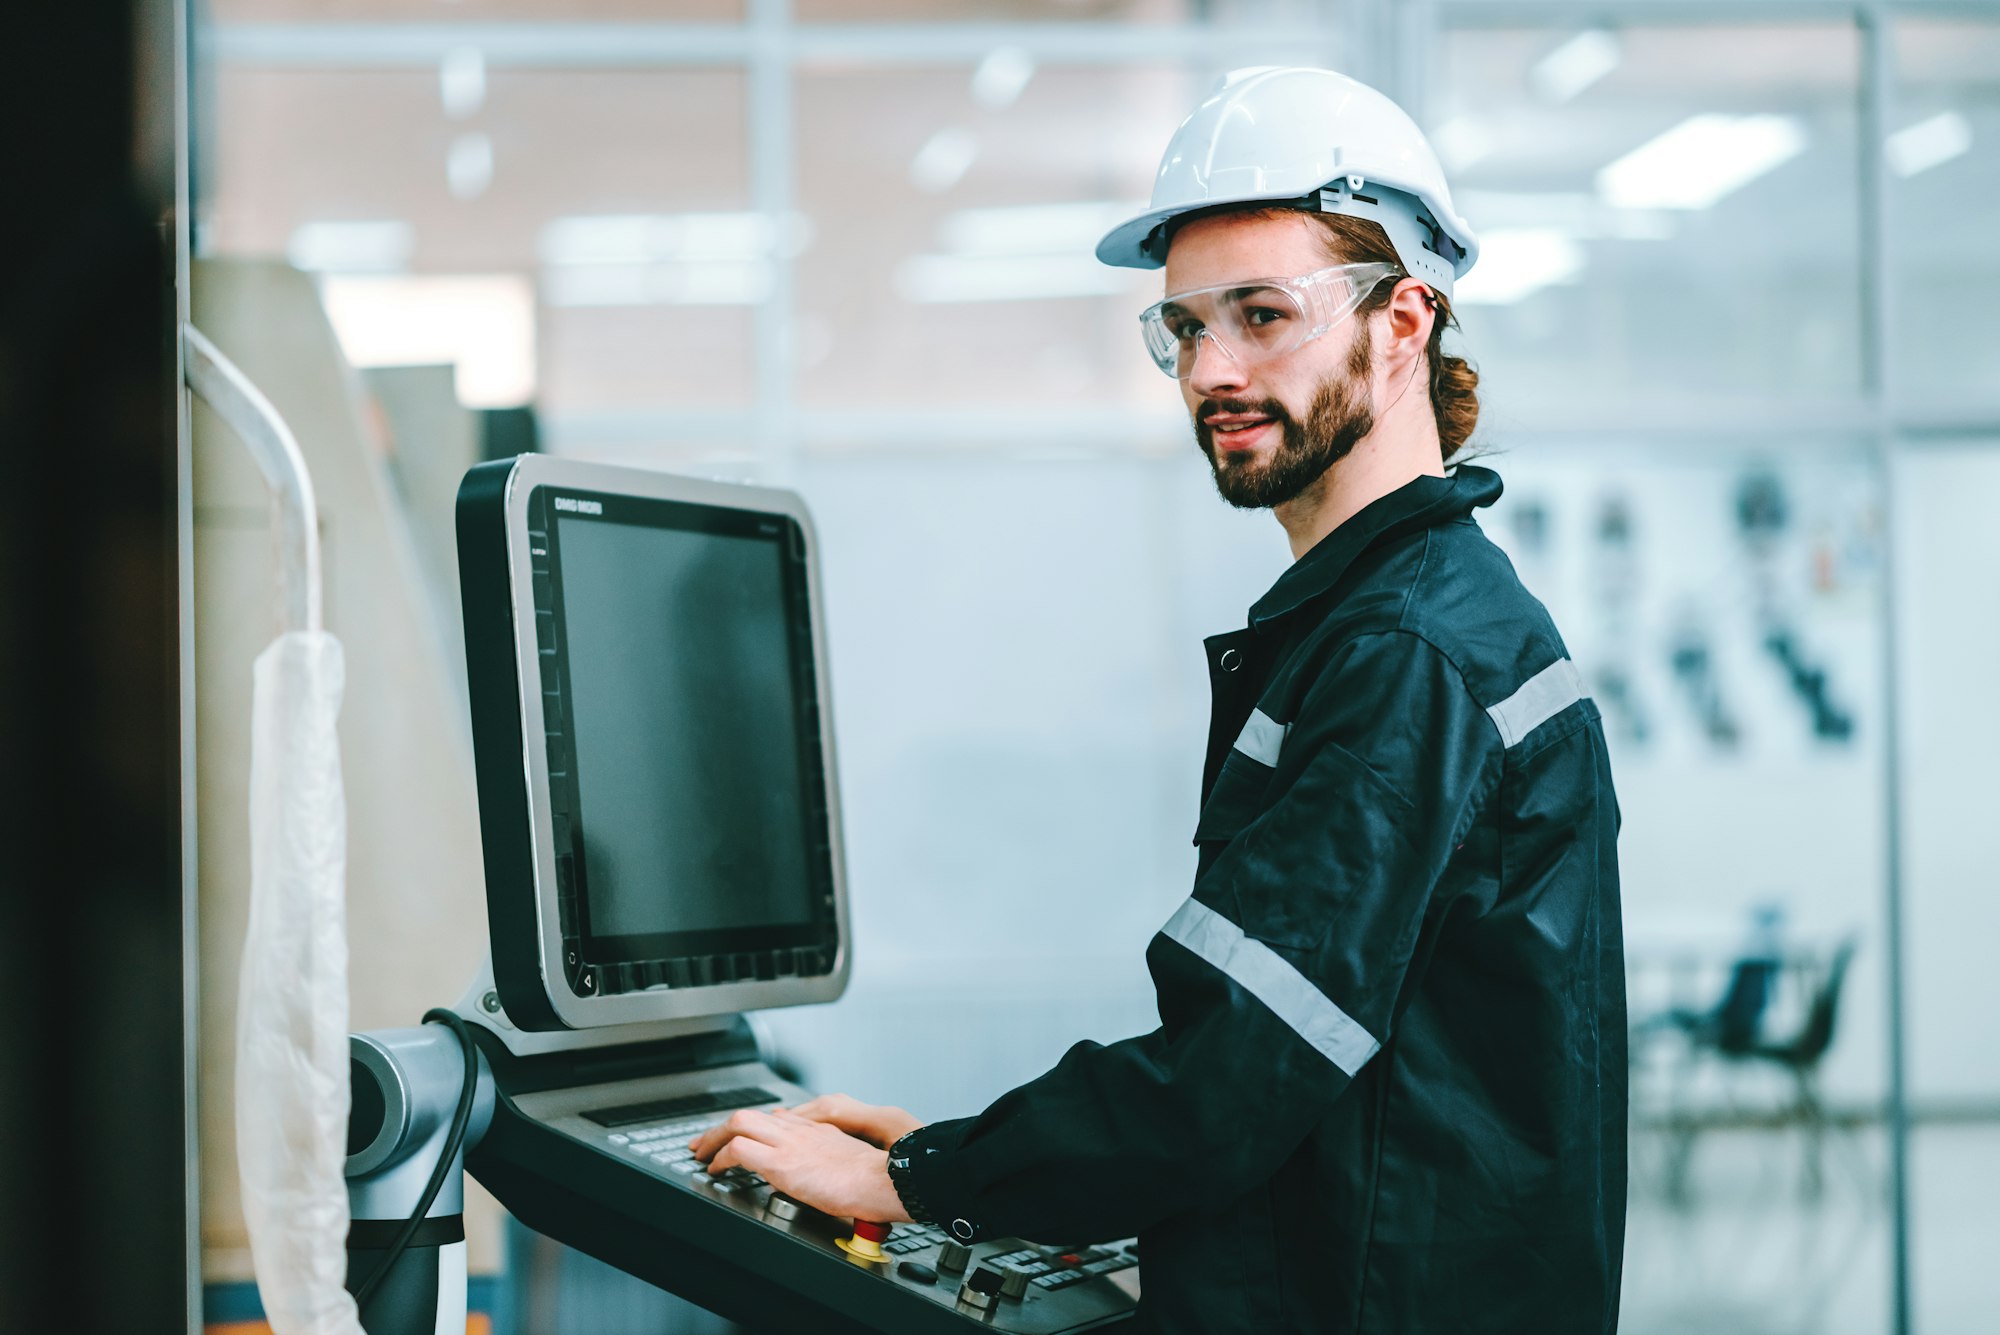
[1124,246]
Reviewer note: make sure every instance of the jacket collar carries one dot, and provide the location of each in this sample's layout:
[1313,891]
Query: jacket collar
[1423,503]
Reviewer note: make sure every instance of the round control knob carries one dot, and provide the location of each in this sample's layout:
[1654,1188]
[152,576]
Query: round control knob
[783,1207]
[1013,1282]
[981,1288]
[953,1256]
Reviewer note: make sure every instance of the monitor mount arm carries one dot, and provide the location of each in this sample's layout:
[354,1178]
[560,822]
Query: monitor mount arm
[406,1262]
[407,1085]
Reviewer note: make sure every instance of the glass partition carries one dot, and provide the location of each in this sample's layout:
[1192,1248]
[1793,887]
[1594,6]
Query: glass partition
[1725,600]
[1669,216]
[356,12]
[448,215]
[1943,157]
[995,11]
[952,264]
[1950,636]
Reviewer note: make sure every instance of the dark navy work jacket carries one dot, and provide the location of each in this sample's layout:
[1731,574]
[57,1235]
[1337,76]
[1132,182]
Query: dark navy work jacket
[1387,1093]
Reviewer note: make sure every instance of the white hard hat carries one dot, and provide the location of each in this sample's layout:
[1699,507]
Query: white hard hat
[1312,139]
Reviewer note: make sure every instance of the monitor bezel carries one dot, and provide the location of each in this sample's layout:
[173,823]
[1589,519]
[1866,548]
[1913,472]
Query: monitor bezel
[560,1000]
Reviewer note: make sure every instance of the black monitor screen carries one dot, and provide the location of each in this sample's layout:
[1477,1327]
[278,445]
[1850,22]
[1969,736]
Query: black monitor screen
[685,761]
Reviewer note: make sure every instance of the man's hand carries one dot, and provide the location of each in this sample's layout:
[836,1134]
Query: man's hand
[811,1161]
[880,1126]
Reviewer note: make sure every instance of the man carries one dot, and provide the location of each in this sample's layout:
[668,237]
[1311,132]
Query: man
[1387,1093]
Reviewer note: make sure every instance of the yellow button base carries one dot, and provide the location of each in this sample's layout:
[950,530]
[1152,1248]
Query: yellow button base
[861,1249]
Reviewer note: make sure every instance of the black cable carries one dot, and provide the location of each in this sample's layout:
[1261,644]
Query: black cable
[461,1119]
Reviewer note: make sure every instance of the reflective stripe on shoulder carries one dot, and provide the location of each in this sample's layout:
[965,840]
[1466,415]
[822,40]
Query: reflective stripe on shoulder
[1542,697]
[1262,738]
[1285,992]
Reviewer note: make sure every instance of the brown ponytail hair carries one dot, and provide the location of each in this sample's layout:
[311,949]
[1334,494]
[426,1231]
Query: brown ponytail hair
[1454,384]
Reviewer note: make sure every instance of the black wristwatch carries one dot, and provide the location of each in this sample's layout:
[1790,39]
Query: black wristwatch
[899,1178]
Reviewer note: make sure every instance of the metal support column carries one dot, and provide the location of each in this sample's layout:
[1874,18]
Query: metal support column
[1877,293]
[773,181]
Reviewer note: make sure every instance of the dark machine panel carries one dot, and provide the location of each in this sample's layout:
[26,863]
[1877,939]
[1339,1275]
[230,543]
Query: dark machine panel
[575,1161]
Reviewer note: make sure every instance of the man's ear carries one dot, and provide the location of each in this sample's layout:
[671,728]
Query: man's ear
[1411,314]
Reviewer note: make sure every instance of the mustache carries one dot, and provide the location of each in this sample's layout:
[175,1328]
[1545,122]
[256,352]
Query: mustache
[1270,408]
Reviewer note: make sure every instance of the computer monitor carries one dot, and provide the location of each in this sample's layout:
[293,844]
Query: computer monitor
[652,736]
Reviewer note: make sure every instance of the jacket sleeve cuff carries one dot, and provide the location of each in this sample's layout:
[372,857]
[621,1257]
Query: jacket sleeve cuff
[921,1168]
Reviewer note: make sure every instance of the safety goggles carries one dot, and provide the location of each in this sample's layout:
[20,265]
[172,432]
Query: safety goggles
[1257,320]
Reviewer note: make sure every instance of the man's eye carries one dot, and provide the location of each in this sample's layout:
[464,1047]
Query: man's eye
[1256,316]
[1184,328]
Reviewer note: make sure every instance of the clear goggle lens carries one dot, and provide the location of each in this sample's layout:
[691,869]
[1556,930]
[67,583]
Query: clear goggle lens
[1257,320]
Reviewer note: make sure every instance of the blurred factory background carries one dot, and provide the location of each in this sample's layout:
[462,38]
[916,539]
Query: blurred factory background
[1739,375]
[1729,317]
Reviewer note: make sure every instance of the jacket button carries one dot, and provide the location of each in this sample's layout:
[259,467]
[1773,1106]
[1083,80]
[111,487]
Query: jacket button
[1230,660]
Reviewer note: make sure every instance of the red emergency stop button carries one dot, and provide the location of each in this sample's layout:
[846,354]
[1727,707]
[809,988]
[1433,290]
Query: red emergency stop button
[866,1242]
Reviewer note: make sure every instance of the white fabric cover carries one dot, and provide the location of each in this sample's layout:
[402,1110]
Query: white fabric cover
[291,1026]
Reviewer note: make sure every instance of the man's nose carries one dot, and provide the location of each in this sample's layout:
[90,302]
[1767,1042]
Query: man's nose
[1214,370]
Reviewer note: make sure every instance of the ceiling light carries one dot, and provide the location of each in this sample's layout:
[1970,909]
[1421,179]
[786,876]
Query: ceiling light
[943,160]
[1700,160]
[1928,143]
[1031,252]
[462,81]
[936,279]
[468,166]
[665,259]
[1575,65]
[1583,216]
[352,247]
[1033,229]
[1514,262]
[673,283]
[639,238]
[1001,76]
[481,324]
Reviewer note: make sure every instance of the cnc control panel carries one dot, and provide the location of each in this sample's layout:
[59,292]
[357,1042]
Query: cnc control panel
[622,1145]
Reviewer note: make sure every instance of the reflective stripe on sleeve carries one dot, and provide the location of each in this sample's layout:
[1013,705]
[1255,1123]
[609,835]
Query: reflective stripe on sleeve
[1543,696]
[1262,738]
[1285,992]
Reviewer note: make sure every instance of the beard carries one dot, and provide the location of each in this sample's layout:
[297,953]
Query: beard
[1337,419]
